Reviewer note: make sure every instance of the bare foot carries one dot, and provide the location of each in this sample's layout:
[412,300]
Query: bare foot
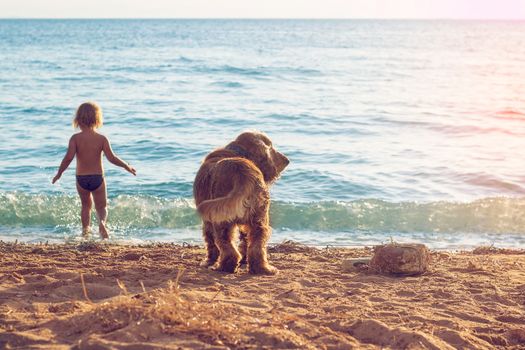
[86,231]
[103,231]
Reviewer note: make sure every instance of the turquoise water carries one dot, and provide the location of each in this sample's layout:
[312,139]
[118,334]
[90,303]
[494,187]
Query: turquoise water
[411,130]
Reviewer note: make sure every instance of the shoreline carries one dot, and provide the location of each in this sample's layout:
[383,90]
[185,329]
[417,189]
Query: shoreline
[87,295]
[78,241]
[194,238]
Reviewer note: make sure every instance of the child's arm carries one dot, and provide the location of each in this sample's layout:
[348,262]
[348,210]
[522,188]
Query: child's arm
[108,152]
[68,158]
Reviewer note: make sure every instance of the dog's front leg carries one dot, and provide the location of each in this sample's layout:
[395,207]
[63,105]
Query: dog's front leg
[257,256]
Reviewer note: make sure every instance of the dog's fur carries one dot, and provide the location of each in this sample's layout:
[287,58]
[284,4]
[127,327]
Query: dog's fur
[231,192]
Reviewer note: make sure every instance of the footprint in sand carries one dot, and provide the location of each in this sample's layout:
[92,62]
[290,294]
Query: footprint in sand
[94,291]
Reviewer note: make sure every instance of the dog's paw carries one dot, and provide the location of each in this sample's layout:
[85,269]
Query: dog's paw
[224,268]
[228,264]
[207,263]
[264,270]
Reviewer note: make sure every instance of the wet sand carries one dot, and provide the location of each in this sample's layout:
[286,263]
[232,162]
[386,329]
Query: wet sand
[93,296]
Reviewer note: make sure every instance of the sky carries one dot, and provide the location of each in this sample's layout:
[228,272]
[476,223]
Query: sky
[453,9]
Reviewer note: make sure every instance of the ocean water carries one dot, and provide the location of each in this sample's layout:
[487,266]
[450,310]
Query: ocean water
[403,130]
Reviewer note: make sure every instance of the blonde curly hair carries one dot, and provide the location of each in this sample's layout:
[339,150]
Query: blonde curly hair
[89,115]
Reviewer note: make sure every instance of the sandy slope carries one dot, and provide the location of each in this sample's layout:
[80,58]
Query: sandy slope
[157,297]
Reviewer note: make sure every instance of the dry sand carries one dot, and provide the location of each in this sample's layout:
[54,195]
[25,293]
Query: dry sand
[157,297]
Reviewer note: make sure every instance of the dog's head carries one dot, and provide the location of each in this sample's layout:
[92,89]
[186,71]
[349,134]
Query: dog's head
[258,148]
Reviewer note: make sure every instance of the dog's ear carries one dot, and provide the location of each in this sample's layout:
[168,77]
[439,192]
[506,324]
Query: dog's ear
[270,162]
[265,161]
[262,146]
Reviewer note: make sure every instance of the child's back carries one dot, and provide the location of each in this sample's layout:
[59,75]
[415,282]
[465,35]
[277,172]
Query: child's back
[89,148]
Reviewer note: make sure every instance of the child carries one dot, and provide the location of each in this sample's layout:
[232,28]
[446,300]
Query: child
[88,146]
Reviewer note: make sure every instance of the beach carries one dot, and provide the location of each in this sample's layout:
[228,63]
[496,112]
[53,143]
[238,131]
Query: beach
[401,131]
[107,296]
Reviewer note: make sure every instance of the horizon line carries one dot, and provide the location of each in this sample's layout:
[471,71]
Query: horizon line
[269,18]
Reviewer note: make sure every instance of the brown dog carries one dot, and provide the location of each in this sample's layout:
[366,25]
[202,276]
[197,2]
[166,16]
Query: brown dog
[231,192]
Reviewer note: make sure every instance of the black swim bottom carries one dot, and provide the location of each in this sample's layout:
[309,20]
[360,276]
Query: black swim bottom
[90,182]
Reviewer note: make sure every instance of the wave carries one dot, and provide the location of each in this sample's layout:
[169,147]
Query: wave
[488,215]
[472,130]
[511,115]
[257,71]
[510,112]
[254,72]
[227,84]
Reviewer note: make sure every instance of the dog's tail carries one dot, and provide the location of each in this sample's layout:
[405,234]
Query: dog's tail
[234,205]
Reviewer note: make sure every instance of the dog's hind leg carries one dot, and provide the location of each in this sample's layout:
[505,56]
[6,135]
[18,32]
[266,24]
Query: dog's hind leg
[229,256]
[211,247]
[257,256]
[243,242]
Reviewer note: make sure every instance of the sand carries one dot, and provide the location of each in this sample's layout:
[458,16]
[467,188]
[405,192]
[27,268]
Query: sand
[158,297]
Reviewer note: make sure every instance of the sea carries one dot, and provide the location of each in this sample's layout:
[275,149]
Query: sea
[397,130]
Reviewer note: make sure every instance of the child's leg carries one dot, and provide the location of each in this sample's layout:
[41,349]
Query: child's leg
[85,213]
[99,196]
